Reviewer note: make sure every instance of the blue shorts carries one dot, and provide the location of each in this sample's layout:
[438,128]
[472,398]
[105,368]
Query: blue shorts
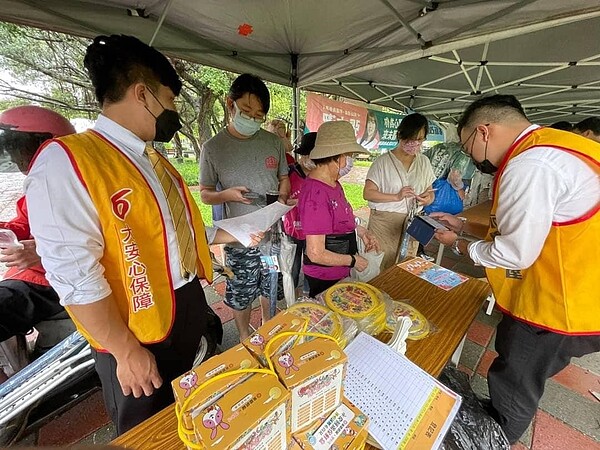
[249,278]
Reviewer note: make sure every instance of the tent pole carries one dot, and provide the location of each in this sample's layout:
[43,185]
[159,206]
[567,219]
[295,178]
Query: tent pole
[296,133]
[160,22]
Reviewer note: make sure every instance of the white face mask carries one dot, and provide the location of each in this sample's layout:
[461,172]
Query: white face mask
[347,168]
[244,125]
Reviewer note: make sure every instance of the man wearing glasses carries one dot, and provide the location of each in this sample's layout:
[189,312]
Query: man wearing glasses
[248,162]
[542,254]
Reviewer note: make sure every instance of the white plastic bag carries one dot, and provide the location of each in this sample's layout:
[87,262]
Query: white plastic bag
[372,269]
[286,261]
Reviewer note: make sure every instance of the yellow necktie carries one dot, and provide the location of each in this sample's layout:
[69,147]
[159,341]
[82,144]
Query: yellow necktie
[185,240]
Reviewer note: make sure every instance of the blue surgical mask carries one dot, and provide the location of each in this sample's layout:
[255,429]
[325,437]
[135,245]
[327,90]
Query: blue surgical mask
[347,168]
[243,125]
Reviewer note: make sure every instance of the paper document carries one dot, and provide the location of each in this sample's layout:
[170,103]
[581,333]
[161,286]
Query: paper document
[408,408]
[434,274]
[241,227]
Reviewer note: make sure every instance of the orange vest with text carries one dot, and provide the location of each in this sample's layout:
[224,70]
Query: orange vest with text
[560,292]
[135,260]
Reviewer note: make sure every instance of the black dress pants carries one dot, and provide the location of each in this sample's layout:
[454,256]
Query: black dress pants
[527,357]
[174,356]
[23,305]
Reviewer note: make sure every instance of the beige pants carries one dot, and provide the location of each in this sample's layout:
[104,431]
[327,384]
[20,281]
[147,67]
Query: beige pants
[387,228]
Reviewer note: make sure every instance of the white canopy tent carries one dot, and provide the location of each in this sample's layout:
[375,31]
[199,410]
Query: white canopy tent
[433,57]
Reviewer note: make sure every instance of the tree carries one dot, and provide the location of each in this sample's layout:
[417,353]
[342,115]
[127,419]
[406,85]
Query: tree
[46,68]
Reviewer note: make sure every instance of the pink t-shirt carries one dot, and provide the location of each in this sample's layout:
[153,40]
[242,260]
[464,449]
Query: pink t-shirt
[291,221]
[324,210]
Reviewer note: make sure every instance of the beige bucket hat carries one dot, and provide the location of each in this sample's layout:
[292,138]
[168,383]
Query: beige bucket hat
[335,138]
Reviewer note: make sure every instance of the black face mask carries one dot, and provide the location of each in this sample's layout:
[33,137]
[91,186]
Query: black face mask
[167,123]
[485,166]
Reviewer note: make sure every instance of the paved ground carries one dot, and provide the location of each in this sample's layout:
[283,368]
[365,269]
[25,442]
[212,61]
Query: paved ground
[568,417]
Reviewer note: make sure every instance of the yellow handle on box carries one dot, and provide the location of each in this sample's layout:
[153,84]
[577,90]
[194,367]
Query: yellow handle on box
[184,432]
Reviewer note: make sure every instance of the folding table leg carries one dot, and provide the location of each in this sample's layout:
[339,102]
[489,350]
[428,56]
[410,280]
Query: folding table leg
[456,356]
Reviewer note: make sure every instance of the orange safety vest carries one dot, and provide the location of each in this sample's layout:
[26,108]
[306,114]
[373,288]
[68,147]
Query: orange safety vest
[560,291]
[135,260]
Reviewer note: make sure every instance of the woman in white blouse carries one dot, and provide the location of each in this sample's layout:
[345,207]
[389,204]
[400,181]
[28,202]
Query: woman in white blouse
[397,182]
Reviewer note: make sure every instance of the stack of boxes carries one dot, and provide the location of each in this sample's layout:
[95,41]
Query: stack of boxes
[303,407]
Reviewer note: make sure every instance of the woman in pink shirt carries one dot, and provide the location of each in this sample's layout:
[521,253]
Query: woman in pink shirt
[291,221]
[326,216]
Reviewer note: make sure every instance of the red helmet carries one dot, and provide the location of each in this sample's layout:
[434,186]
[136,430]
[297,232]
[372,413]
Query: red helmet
[35,119]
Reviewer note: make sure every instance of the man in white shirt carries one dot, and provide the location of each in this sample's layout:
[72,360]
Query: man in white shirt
[542,255]
[120,236]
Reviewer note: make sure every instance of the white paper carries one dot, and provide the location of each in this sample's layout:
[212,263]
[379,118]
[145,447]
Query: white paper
[390,390]
[243,226]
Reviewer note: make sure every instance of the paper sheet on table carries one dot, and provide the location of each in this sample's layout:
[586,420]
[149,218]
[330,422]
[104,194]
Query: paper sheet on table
[241,227]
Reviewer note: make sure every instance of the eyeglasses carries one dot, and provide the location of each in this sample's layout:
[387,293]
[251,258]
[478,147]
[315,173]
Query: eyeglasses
[244,115]
[463,146]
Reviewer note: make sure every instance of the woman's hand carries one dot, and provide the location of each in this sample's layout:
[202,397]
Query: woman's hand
[406,192]
[452,222]
[370,241]
[361,263]
[426,198]
[21,257]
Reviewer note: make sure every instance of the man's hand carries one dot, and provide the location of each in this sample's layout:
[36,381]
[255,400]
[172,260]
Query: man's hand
[361,263]
[137,372]
[452,222]
[406,192]
[22,258]
[236,194]
[446,237]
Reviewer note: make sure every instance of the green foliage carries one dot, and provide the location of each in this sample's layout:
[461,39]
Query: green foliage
[188,169]
[205,210]
[354,194]
[361,163]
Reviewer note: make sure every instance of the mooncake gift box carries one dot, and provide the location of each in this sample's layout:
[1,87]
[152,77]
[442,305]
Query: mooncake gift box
[285,321]
[237,357]
[252,415]
[313,372]
[346,428]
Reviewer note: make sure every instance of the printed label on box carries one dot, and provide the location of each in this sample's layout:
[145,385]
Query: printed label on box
[332,428]
[270,434]
[313,398]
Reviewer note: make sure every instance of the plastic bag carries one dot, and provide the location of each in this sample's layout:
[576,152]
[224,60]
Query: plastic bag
[473,428]
[372,269]
[446,199]
[286,262]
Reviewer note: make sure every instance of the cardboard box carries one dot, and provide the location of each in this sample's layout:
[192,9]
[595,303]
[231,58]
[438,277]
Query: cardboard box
[284,321]
[313,371]
[235,358]
[252,415]
[346,428]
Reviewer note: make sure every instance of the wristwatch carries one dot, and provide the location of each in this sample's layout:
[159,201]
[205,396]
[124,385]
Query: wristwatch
[353,261]
[455,249]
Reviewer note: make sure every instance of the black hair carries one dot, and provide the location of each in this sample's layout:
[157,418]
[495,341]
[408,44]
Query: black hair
[116,62]
[250,84]
[562,125]
[21,146]
[411,125]
[493,108]
[591,123]
[326,160]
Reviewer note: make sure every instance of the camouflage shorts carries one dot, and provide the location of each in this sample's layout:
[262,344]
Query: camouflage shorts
[250,279]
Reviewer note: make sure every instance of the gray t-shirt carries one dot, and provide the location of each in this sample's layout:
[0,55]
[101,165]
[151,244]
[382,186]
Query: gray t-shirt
[256,162]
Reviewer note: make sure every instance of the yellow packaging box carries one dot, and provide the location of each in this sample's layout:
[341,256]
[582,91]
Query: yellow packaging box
[346,428]
[235,358]
[313,371]
[284,321]
[252,415]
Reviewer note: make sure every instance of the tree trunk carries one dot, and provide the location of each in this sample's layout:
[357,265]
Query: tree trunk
[178,148]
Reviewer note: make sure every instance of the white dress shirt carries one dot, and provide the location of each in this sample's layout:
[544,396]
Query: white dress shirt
[65,223]
[538,187]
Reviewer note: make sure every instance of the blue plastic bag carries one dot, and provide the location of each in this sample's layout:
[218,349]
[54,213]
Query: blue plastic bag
[446,199]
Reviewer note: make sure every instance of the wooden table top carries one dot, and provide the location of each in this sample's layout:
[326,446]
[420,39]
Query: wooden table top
[450,312]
